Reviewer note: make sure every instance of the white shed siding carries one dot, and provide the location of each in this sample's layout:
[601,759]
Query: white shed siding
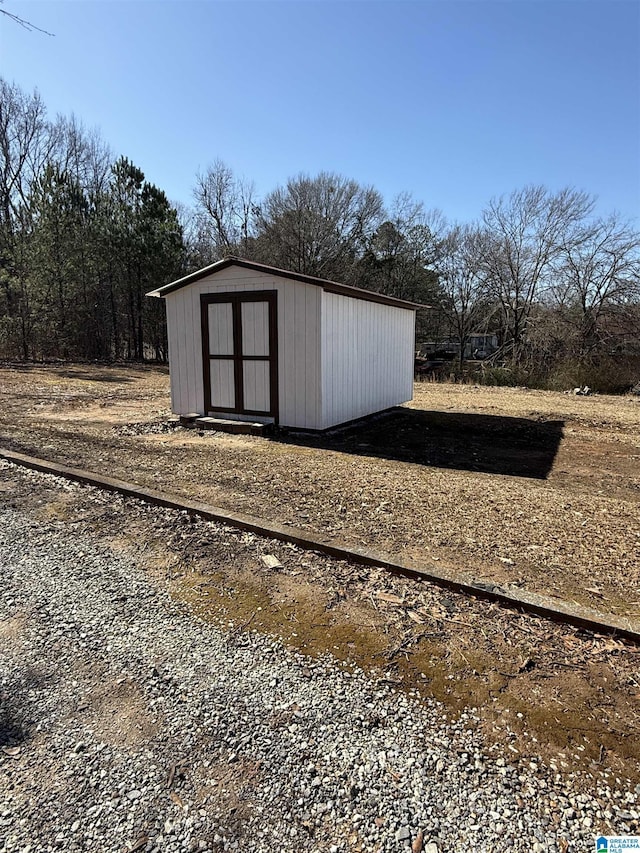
[298,342]
[367,357]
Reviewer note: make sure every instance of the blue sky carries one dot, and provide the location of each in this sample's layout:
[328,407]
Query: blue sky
[452,101]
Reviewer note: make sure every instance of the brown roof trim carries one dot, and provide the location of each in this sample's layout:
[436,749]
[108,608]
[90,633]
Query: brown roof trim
[329,286]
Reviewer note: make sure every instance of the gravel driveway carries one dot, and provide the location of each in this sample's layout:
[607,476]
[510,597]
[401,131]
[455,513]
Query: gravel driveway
[126,723]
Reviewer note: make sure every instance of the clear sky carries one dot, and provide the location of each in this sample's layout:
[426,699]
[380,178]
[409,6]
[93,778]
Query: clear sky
[455,101]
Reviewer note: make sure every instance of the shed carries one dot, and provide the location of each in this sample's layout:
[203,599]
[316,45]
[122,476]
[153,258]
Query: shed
[251,342]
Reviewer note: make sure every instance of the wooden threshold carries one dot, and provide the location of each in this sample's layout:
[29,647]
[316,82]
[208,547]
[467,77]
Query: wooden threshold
[225,425]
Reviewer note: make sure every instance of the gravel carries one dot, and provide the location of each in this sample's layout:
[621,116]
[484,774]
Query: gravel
[126,723]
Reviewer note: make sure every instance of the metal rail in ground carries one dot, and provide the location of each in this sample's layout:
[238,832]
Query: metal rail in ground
[528,602]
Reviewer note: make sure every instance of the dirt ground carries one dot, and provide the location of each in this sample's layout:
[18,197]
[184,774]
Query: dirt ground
[541,691]
[530,488]
[539,490]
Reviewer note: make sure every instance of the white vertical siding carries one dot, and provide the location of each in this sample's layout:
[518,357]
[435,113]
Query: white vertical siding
[171,307]
[367,357]
[298,320]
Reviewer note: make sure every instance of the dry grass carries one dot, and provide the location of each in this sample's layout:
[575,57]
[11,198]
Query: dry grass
[536,489]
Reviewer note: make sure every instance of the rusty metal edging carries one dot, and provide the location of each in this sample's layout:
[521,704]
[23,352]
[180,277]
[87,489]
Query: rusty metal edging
[529,602]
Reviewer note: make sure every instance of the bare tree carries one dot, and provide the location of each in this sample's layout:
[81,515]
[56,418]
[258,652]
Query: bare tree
[528,230]
[403,251]
[461,276]
[319,226]
[224,207]
[598,272]
[27,142]
[82,153]
[199,248]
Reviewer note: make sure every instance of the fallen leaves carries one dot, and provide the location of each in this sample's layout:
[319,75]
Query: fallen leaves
[415,617]
[389,598]
[138,844]
[176,799]
[176,771]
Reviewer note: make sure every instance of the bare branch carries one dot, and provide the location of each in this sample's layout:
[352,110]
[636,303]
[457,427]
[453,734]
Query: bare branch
[27,25]
[528,230]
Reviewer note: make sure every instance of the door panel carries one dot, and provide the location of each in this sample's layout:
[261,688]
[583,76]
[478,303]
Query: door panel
[255,328]
[221,328]
[240,352]
[222,380]
[256,385]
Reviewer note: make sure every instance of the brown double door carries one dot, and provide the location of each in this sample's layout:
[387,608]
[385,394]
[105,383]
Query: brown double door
[240,353]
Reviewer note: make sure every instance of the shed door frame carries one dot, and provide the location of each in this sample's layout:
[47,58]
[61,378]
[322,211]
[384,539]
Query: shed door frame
[236,300]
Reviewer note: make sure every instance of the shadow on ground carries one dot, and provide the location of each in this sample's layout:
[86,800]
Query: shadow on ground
[116,372]
[491,444]
[16,706]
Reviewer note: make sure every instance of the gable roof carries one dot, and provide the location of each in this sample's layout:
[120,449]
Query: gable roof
[329,286]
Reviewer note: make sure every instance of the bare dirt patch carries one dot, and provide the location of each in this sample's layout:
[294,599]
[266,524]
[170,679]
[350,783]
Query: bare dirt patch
[118,713]
[13,628]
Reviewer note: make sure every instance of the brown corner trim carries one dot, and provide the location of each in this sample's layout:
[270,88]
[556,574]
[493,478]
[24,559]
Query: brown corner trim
[527,602]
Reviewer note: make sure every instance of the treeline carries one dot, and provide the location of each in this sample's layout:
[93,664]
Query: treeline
[83,236]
